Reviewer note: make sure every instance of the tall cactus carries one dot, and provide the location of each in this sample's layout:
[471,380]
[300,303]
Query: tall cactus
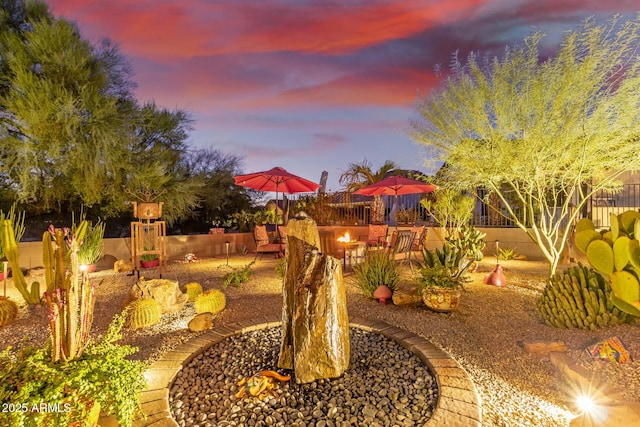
[615,254]
[69,296]
[10,246]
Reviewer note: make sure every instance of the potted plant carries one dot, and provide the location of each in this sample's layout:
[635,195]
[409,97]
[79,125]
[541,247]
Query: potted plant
[441,277]
[439,289]
[406,216]
[377,269]
[149,260]
[220,225]
[90,251]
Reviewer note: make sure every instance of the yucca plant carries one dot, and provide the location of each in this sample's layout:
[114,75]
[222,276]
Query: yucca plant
[91,249]
[377,269]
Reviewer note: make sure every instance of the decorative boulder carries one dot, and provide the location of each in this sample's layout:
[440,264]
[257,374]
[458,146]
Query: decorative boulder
[122,266]
[140,290]
[406,296]
[166,292]
[201,322]
[315,325]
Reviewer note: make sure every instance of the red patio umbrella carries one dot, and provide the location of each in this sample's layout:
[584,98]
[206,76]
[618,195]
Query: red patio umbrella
[276,179]
[396,186]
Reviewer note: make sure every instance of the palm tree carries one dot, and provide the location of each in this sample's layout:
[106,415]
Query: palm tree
[360,175]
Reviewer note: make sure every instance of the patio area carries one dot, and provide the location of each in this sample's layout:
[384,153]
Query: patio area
[484,335]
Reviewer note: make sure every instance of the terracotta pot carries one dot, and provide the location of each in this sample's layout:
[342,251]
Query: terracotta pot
[442,300]
[151,263]
[91,268]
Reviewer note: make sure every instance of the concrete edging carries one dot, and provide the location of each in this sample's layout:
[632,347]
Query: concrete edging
[458,402]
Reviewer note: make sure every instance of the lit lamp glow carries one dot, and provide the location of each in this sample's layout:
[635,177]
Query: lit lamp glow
[591,405]
[84,270]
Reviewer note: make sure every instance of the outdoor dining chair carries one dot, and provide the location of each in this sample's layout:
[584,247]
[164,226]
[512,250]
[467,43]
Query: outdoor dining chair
[264,245]
[282,234]
[377,235]
[421,237]
[401,245]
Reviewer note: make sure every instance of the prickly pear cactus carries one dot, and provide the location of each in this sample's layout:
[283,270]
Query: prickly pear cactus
[192,290]
[143,313]
[8,311]
[579,298]
[615,254]
[212,301]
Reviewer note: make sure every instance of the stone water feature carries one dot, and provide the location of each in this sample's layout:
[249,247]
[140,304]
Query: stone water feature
[357,377]
[315,324]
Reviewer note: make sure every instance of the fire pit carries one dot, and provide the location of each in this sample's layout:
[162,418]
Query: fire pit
[353,250]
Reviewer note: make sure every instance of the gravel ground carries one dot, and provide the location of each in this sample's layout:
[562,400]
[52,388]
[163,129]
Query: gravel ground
[484,334]
[384,382]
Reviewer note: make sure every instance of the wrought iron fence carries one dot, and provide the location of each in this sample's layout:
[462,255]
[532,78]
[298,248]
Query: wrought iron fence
[604,203]
[336,209]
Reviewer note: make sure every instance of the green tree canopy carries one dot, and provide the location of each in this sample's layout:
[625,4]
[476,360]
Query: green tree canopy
[71,131]
[545,133]
[62,129]
[220,196]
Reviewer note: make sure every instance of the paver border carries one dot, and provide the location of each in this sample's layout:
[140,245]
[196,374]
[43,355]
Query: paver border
[458,401]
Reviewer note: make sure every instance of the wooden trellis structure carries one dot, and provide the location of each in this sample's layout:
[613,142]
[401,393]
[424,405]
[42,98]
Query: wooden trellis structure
[148,236]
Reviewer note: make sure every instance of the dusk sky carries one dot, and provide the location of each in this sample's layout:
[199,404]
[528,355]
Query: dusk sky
[311,85]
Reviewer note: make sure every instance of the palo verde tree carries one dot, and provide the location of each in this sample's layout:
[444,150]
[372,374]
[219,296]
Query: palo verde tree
[158,161]
[71,131]
[61,127]
[541,134]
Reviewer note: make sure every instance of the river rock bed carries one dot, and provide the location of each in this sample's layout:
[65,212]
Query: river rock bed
[385,385]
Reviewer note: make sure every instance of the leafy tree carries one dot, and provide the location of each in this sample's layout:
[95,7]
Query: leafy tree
[71,131]
[61,127]
[158,162]
[547,134]
[359,175]
[450,207]
[220,198]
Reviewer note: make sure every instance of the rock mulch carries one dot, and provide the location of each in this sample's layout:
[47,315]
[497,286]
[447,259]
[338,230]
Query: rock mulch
[484,335]
[385,384]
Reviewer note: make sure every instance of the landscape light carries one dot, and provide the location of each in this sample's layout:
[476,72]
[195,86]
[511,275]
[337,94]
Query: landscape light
[585,403]
[591,407]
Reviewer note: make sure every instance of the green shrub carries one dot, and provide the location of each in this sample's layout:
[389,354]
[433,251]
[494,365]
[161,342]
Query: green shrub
[377,269]
[90,250]
[281,267]
[438,276]
[102,374]
[507,254]
[238,276]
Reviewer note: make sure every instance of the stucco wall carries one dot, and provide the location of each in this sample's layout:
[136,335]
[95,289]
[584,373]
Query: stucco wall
[213,245]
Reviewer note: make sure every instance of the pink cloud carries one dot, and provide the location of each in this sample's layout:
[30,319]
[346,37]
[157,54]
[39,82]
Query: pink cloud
[169,29]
